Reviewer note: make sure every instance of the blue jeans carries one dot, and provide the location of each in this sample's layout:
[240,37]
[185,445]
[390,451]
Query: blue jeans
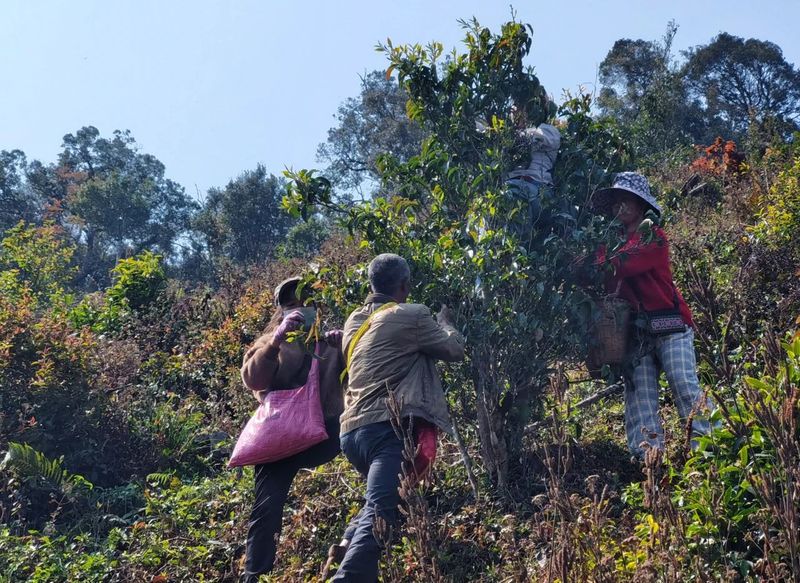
[377,453]
[531,193]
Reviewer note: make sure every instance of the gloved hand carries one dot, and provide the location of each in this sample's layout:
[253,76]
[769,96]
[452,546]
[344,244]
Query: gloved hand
[293,321]
[334,338]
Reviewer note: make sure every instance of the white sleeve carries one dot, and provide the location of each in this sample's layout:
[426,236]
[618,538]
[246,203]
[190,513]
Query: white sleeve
[543,138]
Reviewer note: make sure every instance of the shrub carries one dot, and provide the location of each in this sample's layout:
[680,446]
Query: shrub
[136,282]
[40,258]
[779,224]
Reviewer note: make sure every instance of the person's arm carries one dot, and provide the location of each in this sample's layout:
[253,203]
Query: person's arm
[439,339]
[262,361]
[260,364]
[334,339]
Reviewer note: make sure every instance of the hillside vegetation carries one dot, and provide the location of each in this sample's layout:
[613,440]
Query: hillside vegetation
[126,307]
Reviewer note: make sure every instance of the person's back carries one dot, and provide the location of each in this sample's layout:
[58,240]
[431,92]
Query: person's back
[397,352]
[544,141]
[389,346]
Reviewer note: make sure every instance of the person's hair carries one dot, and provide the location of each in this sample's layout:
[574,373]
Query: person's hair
[387,272]
[274,322]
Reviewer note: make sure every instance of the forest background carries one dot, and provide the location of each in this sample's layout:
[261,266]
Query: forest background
[127,303]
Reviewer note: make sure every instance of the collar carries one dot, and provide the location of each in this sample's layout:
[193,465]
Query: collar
[379,299]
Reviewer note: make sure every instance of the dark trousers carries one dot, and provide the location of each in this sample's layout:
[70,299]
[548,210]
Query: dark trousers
[377,453]
[273,481]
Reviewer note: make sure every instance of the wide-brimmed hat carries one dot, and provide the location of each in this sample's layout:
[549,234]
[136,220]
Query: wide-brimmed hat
[282,290]
[632,182]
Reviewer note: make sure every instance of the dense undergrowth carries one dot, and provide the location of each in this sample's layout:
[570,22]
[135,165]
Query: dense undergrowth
[118,409]
[128,402]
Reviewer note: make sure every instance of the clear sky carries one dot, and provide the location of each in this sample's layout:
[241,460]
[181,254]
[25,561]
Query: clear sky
[213,88]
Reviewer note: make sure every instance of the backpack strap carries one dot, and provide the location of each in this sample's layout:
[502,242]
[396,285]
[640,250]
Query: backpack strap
[357,336]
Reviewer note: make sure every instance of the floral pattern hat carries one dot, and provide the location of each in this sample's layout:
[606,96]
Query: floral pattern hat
[632,182]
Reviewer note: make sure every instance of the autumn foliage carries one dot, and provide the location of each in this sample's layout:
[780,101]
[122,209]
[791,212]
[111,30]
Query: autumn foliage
[720,158]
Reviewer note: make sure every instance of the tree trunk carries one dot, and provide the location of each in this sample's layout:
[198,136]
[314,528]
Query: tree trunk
[88,259]
[490,423]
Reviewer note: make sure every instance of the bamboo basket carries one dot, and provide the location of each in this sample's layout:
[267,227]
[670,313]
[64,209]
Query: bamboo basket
[609,332]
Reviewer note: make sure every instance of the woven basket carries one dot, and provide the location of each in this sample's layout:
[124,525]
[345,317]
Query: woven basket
[609,333]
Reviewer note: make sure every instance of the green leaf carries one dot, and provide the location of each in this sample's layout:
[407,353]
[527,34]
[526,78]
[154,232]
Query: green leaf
[759,384]
[743,455]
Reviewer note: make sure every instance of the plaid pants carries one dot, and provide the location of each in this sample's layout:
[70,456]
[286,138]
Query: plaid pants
[674,354]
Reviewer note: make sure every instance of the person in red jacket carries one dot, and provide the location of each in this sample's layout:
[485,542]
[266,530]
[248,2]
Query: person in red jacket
[642,275]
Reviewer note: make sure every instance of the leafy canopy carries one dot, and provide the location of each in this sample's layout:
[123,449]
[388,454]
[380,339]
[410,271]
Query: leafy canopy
[745,81]
[244,221]
[368,126]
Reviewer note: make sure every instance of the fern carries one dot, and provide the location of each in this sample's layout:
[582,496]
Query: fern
[36,468]
[161,478]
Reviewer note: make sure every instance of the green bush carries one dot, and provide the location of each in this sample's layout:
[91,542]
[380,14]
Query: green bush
[779,215]
[39,257]
[136,282]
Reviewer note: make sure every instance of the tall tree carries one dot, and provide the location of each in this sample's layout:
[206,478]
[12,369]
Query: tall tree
[115,199]
[17,201]
[626,74]
[369,125]
[745,81]
[643,89]
[244,221]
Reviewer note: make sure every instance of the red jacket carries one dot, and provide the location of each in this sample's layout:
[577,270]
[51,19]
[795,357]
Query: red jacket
[646,275]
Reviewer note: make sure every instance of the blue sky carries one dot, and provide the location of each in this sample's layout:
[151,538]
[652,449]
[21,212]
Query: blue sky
[213,88]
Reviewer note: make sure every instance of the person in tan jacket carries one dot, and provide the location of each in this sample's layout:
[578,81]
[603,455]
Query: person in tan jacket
[396,351]
[272,363]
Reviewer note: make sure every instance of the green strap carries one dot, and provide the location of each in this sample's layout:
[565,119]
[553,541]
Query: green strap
[357,336]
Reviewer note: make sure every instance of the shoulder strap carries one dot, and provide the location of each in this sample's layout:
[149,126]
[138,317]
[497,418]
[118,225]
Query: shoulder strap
[357,336]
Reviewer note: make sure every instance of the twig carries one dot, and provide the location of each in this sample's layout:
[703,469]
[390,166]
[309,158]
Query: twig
[599,395]
[467,462]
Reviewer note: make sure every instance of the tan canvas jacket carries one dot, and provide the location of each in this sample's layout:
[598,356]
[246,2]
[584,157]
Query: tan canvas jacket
[398,352]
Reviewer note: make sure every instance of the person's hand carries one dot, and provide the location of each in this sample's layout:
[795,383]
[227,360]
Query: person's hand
[445,316]
[293,321]
[334,338]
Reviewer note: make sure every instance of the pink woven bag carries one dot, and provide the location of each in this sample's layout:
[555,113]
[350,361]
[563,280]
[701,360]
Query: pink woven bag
[287,422]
